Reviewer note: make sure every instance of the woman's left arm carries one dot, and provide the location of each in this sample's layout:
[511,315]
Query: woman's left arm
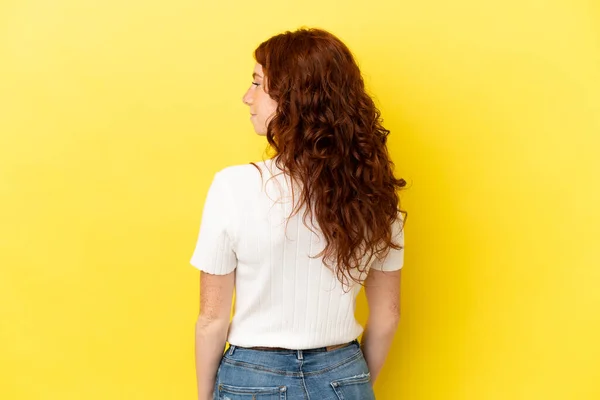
[216,292]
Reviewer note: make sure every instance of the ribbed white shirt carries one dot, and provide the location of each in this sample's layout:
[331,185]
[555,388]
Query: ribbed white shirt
[283,297]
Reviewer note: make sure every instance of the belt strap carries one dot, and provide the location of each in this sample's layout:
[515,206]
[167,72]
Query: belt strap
[328,348]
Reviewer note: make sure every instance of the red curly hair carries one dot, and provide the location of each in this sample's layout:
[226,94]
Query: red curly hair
[327,135]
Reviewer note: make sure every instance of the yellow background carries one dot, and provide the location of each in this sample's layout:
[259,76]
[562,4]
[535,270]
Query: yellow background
[114,116]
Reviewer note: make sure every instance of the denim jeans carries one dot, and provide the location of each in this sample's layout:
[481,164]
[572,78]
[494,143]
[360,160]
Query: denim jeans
[316,374]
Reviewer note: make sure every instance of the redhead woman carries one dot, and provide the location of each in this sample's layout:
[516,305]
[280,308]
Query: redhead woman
[298,235]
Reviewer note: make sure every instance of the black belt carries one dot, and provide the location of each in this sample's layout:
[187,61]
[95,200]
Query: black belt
[327,348]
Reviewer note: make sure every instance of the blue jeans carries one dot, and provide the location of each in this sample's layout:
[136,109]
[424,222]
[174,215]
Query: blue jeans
[316,374]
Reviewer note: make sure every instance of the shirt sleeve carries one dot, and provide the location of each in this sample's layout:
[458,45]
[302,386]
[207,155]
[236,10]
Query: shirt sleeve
[214,252]
[395,258]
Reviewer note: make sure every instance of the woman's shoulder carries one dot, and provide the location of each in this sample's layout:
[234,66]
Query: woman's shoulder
[245,175]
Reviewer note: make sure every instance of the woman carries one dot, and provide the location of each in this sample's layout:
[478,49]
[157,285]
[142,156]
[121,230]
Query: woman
[297,236]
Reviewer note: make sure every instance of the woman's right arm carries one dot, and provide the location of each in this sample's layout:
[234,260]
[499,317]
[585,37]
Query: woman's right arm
[383,295]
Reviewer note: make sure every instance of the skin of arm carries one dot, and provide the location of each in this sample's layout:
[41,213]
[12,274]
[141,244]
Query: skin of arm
[382,290]
[212,325]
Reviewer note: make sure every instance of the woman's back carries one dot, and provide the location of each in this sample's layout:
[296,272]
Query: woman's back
[285,297]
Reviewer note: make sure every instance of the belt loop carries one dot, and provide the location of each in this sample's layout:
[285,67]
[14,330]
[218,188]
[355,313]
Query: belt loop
[300,355]
[231,349]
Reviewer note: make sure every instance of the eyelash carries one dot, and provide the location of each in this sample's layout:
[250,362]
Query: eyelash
[255,83]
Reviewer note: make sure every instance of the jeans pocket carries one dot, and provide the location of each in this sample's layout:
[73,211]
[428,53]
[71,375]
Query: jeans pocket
[354,388]
[228,392]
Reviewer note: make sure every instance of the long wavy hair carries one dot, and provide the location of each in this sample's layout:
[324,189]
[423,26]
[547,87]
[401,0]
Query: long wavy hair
[327,135]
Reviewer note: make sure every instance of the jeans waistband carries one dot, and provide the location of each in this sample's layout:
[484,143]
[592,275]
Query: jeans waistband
[300,352]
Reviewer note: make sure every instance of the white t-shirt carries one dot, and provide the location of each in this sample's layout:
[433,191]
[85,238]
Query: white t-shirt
[283,297]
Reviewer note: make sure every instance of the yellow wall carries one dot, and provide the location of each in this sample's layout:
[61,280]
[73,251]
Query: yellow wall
[114,115]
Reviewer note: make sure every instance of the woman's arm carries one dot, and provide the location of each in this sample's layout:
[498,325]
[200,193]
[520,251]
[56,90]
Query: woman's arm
[383,295]
[216,292]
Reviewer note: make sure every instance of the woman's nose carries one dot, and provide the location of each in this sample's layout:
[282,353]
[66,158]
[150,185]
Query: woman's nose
[247,99]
